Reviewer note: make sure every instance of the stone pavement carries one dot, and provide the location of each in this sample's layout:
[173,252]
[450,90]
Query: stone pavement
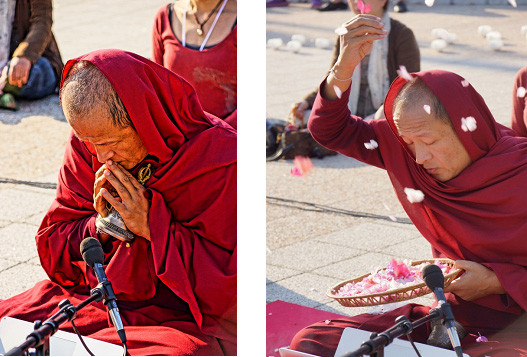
[32,141]
[315,237]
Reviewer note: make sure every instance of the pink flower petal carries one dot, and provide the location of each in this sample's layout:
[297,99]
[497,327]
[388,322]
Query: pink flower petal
[520,92]
[429,3]
[481,338]
[327,322]
[372,145]
[295,171]
[402,72]
[413,195]
[303,163]
[513,3]
[465,83]
[426,107]
[341,31]
[468,124]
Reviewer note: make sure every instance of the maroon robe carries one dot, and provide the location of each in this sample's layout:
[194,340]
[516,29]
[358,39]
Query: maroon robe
[478,215]
[177,292]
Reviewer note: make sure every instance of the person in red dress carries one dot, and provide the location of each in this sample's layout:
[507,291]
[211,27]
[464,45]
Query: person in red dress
[438,137]
[198,41]
[176,281]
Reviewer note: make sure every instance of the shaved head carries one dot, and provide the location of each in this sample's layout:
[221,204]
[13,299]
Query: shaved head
[416,92]
[85,89]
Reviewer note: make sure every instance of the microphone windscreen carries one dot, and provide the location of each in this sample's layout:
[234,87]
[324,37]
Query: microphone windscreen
[433,277]
[91,251]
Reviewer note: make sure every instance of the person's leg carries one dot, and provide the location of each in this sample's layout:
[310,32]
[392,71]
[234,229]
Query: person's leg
[42,81]
[322,338]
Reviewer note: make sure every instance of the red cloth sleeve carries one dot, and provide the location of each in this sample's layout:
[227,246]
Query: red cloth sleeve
[70,219]
[332,125]
[232,119]
[513,278]
[206,253]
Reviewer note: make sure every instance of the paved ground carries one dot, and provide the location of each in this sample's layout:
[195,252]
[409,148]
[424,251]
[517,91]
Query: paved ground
[310,247]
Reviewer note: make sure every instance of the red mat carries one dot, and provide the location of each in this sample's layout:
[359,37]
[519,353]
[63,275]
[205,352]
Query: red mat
[285,319]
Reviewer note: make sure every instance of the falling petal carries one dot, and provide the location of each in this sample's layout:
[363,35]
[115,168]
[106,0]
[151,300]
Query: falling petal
[393,218]
[341,31]
[465,83]
[426,107]
[295,171]
[521,92]
[327,322]
[338,92]
[303,163]
[468,124]
[429,3]
[414,196]
[513,3]
[372,145]
[402,72]
[270,313]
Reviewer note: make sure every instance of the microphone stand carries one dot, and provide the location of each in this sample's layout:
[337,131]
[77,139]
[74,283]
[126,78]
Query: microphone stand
[39,338]
[377,342]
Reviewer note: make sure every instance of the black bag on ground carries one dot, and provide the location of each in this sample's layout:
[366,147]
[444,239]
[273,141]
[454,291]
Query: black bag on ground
[285,142]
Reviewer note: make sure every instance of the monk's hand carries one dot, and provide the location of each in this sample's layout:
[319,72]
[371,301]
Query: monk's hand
[355,43]
[477,281]
[99,203]
[132,204]
[19,71]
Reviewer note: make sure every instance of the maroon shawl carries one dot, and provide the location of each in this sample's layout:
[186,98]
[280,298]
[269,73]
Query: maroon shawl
[480,215]
[190,263]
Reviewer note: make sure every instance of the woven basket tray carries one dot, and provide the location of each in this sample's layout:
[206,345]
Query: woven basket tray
[390,296]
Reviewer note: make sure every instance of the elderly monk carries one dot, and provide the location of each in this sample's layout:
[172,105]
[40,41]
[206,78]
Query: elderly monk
[176,281]
[440,138]
[519,102]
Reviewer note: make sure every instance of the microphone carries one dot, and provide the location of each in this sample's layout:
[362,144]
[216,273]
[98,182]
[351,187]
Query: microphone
[93,255]
[434,279]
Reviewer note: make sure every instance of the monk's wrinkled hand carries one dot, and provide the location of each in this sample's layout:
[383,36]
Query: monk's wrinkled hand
[356,39]
[477,281]
[132,204]
[99,203]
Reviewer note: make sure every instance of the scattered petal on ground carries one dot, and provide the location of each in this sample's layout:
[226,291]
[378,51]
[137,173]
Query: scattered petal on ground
[414,196]
[372,145]
[341,31]
[481,338]
[464,83]
[468,124]
[426,107]
[338,92]
[520,92]
[402,72]
[429,3]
